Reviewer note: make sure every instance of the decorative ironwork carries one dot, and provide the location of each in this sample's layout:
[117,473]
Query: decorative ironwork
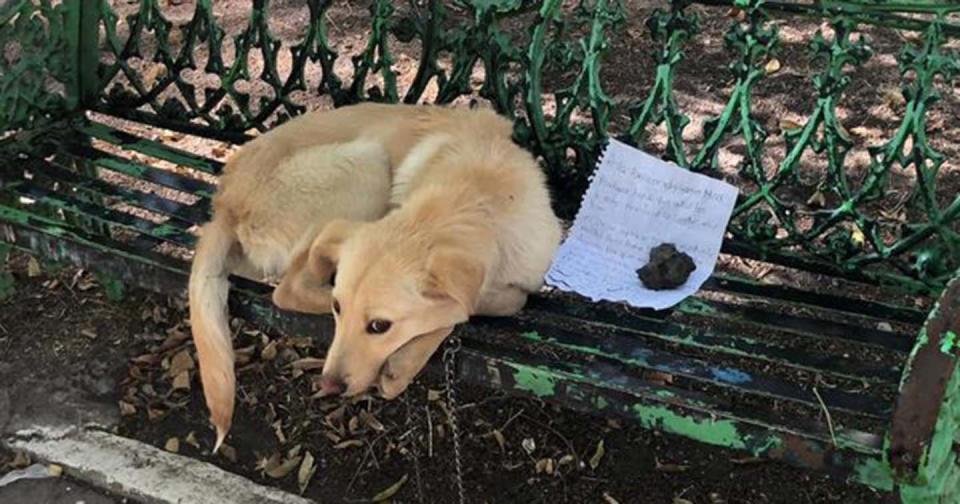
[149,73]
[35,64]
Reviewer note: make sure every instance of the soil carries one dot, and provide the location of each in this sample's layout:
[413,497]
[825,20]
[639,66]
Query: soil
[59,324]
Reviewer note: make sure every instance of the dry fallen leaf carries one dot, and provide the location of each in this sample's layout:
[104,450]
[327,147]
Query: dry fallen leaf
[88,333]
[545,466]
[266,463]
[433,395]
[55,470]
[152,73]
[371,421]
[670,468]
[269,352]
[307,363]
[191,440]
[218,152]
[609,499]
[293,452]
[894,99]
[33,267]
[679,500]
[278,430]
[501,441]
[282,470]
[155,414]
[305,474]
[172,445]
[174,339]
[180,363]
[817,200]
[773,66]
[182,381]
[228,452]
[127,409]
[787,125]
[391,490]
[342,445]
[857,237]
[529,445]
[597,455]
[566,459]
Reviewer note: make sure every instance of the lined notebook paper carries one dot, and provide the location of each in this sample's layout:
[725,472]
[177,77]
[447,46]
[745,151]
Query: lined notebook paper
[635,202]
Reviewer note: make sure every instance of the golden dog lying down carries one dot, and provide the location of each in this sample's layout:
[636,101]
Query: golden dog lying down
[427,215]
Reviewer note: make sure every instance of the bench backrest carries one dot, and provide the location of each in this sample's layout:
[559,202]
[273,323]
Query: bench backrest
[814,195]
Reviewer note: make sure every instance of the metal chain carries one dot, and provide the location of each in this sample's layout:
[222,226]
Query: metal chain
[449,361]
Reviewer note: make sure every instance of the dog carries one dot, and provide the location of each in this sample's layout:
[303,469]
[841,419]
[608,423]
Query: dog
[401,220]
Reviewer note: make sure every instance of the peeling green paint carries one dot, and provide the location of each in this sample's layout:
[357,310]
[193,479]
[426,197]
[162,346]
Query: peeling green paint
[696,306]
[712,431]
[874,472]
[937,480]
[938,477]
[538,382]
[948,342]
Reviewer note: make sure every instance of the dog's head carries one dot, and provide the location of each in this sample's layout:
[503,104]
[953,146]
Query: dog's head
[398,294]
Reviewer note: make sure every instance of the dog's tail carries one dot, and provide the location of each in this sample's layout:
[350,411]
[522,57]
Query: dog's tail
[209,322]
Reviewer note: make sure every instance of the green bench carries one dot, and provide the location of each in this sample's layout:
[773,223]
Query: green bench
[850,367]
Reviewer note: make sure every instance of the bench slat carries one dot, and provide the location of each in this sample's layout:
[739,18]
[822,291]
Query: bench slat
[193,214]
[733,345]
[633,354]
[103,215]
[141,171]
[729,283]
[151,148]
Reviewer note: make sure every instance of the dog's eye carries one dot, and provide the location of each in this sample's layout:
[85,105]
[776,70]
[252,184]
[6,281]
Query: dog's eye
[378,326]
[336,307]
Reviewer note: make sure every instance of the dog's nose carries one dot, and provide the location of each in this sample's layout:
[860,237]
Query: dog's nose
[330,385]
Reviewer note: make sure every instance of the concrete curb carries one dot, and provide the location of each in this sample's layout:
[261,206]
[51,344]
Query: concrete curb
[142,472]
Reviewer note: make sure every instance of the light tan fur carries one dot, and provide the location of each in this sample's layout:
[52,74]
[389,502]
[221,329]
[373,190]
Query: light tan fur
[472,233]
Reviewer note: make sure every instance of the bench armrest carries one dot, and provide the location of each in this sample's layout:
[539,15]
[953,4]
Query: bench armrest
[927,413]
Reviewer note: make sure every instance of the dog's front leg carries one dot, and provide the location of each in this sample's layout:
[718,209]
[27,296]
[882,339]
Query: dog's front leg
[501,301]
[301,290]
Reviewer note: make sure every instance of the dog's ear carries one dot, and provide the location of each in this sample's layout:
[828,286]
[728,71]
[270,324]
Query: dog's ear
[403,365]
[456,276]
[324,252]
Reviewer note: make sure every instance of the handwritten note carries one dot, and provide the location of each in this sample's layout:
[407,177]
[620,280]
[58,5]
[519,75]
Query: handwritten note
[634,203]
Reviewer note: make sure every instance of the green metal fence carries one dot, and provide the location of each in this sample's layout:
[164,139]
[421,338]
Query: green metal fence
[543,62]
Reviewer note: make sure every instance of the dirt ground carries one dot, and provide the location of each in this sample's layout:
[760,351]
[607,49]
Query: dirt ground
[130,354]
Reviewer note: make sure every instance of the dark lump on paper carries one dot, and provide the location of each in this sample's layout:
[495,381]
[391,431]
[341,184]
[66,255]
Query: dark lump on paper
[668,268]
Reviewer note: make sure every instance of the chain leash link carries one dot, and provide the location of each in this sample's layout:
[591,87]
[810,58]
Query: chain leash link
[449,366]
